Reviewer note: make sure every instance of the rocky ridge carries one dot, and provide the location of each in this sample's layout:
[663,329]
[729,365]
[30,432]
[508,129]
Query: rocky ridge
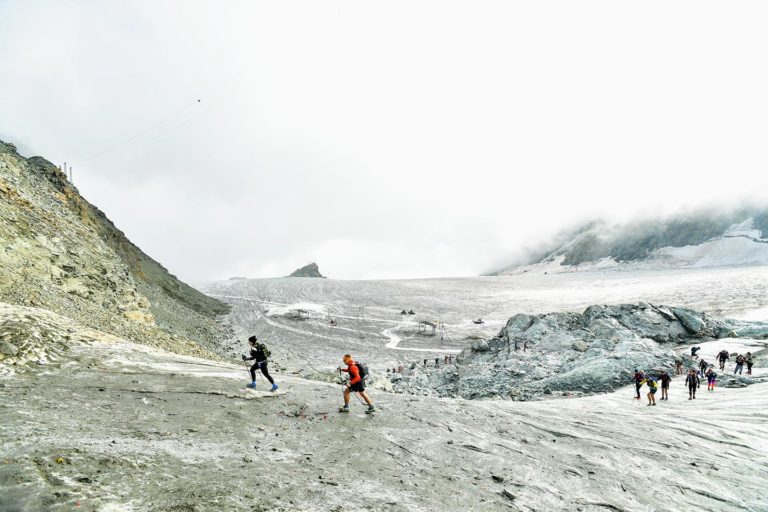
[311,270]
[62,254]
[596,351]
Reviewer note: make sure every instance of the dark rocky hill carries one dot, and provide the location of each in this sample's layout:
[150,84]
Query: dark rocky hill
[310,270]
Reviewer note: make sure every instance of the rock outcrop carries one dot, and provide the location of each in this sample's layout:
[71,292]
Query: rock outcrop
[573,353]
[58,252]
[310,270]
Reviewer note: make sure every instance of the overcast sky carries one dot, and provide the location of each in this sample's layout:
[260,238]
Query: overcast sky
[384,139]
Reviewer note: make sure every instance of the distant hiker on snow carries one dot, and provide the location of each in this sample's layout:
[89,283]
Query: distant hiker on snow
[664,378]
[693,382]
[652,388]
[639,378]
[259,353]
[711,379]
[679,367]
[740,360]
[694,350]
[750,361]
[703,368]
[356,383]
[723,356]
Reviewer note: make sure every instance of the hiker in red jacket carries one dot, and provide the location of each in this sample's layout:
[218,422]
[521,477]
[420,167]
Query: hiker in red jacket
[356,384]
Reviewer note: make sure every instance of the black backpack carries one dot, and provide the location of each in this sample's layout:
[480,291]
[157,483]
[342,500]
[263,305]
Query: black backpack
[362,369]
[264,350]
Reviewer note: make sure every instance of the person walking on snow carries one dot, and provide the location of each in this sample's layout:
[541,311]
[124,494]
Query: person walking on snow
[639,378]
[652,388]
[693,382]
[259,354]
[664,378]
[711,379]
[693,352]
[356,385]
[740,360]
[723,356]
[750,361]
[679,367]
[703,365]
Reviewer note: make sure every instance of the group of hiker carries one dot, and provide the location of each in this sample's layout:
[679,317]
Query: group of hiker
[722,357]
[693,378]
[447,359]
[259,353]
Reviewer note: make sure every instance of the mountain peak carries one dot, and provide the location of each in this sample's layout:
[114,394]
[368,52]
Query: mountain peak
[310,270]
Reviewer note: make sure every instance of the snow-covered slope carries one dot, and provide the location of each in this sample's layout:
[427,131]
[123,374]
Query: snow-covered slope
[670,245]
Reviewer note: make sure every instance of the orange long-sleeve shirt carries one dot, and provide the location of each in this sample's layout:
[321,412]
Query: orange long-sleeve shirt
[354,372]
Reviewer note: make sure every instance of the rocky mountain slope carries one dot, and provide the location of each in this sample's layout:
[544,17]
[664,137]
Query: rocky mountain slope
[60,253]
[311,270]
[700,239]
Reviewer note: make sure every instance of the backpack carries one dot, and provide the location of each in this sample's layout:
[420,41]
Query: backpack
[264,350]
[362,369]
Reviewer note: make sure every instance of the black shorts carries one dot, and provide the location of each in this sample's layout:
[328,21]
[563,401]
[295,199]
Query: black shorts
[357,387]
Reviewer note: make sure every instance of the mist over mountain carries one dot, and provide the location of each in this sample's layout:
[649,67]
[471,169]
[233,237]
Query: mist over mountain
[713,237]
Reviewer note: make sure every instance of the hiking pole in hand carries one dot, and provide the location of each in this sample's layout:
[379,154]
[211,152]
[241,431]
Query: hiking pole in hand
[261,377]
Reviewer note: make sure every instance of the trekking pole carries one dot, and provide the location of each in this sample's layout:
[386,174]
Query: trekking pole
[261,377]
[247,370]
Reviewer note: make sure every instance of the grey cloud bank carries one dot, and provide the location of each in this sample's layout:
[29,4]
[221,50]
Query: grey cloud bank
[383,141]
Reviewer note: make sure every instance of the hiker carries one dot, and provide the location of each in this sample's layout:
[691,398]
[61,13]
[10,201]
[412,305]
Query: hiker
[652,388]
[356,384]
[639,378]
[750,361]
[678,367]
[437,362]
[259,354]
[711,378]
[450,359]
[702,367]
[740,360]
[723,356]
[664,378]
[693,352]
[693,382]
[403,312]
[425,363]
[411,312]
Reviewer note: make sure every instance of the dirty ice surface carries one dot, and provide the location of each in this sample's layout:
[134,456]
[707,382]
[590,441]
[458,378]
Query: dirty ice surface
[369,324]
[115,427]
[123,428]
